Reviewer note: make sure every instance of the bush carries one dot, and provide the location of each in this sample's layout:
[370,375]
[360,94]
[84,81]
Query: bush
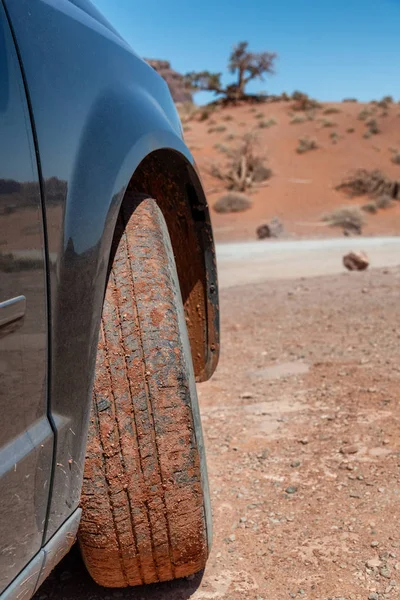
[369,183]
[370,207]
[396,158]
[221,148]
[298,119]
[384,201]
[350,130]
[306,144]
[350,218]
[373,127]
[328,123]
[303,102]
[334,137]
[227,118]
[268,123]
[245,167]
[364,114]
[349,100]
[218,129]
[261,173]
[232,203]
[331,110]
[259,116]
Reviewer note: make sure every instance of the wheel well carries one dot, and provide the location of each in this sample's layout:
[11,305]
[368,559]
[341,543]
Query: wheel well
[167,177]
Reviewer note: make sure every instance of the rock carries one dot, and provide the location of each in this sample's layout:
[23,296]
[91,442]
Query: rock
[385,572]
[292,489]
[273,229]
[356,261]
[295,463]
[180,92]
[350,449]
[373,596]
[246,396]
[374,544]
[373,563]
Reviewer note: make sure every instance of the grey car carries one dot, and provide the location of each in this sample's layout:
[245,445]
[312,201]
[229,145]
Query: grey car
[108,308]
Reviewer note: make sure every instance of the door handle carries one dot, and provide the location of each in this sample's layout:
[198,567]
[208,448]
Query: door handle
[12,309]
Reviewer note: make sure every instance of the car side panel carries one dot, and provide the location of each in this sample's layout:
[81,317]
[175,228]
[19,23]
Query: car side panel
[98,111]
[26,438]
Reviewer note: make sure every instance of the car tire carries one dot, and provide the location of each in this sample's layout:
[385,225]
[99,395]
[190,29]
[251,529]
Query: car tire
[145,500]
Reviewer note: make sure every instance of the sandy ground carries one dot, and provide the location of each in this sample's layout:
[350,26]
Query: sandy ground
[301,423]
[302,187]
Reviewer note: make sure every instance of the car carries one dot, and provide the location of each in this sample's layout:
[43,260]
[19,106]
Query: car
[108,308]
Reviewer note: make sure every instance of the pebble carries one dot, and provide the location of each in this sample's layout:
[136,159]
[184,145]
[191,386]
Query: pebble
[373,596]
[292,489]
[374,544]
[385,572]
[246,396]
[350,449]
[295,463]
[373,563]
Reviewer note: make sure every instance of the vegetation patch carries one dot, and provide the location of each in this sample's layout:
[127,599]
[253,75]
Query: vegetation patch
[232,203]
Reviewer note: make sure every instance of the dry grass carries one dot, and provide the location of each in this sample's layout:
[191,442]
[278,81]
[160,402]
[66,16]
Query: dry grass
[232,203]
[349,218]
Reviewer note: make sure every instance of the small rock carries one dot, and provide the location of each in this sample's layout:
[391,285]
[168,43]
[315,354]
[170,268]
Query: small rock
[350,449]
[232,537]
[373,596]
[385,572]
[295,464]
[374,544]
[246,396]
[381,490]
[373,563]
[292,489]
[273,229]
[356,261]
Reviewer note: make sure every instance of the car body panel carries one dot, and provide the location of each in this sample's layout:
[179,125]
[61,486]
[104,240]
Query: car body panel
[26,437]
[105,111]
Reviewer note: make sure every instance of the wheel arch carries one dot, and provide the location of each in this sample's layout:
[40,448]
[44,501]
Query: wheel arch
[168,177]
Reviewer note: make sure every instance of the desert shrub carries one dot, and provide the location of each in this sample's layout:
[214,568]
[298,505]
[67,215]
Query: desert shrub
[306,144]
[349,100]
[331,110]
[205,113]
[261,173]
[328,123]
[246,166]
[367,135]
[373,126]
[259,115]
[187,128]
[227,118]
[350,218]
[229,137]
[303,102]
[369,183]
[267,123]
[298,119]
[334,136]
[252,109]
[387,99]
[232,203]
[396,158]
[370,207]
[350,130]
[384,201]
[285,97]
[364,114]
[221,148]
[218,129]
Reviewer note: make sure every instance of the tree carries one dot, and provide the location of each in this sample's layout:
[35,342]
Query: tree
[242,63]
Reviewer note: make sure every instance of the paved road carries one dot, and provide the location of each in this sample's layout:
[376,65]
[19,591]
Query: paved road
[254,262]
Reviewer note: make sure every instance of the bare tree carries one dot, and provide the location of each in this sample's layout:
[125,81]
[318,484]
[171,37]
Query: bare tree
[242,63]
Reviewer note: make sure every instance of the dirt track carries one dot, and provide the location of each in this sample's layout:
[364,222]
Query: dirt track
[302,429]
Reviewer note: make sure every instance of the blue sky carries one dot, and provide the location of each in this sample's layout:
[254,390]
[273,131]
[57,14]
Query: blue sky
[331,50]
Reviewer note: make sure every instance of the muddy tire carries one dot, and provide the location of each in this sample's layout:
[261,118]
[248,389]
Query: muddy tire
[145,500]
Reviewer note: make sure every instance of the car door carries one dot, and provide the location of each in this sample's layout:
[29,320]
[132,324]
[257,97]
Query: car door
[26,438]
